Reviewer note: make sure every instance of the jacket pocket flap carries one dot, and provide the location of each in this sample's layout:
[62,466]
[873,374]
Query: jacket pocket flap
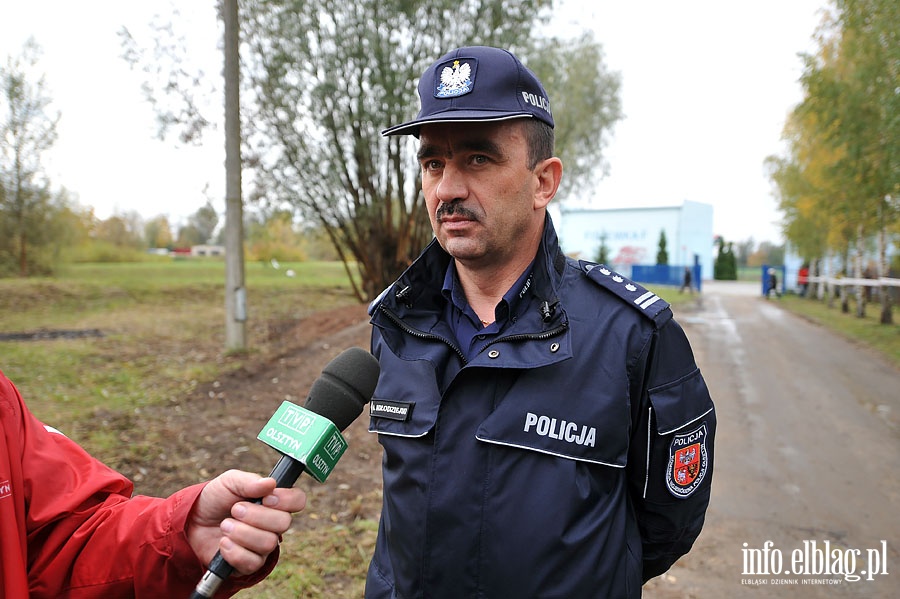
[680,403]
[585,439]
[401,410]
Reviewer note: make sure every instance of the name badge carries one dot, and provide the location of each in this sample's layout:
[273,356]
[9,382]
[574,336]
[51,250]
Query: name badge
[393,410]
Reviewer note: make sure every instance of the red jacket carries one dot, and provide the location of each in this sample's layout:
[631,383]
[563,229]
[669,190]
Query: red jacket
[69,527]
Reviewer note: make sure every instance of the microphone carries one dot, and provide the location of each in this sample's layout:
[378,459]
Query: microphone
[309,438]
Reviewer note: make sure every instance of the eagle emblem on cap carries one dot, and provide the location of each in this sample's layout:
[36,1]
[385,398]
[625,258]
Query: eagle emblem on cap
[455,80]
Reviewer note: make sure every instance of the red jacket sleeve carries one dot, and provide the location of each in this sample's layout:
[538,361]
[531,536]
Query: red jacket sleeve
[87,537]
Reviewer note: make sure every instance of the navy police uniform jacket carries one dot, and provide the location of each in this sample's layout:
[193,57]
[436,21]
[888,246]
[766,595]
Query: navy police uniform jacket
[570,457]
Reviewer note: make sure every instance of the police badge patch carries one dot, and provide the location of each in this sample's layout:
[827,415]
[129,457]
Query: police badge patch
[688,462]
[457,78]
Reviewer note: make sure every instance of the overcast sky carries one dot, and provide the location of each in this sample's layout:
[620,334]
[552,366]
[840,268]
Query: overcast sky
[706,88]
[107,152]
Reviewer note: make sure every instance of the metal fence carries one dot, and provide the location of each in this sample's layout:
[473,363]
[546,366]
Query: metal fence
[665,274]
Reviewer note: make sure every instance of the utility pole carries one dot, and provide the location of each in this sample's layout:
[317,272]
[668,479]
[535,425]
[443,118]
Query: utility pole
[235,290]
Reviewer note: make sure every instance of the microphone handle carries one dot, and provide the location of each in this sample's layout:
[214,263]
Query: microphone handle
[286,472]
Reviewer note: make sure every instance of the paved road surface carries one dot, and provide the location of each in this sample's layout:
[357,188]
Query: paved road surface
[808,450]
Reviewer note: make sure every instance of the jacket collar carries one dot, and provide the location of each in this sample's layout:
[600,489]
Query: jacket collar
[418,290]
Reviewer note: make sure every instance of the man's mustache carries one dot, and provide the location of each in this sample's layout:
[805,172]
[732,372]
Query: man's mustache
[454,208]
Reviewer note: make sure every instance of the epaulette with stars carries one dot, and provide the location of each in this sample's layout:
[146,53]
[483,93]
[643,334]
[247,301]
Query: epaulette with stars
[646,302]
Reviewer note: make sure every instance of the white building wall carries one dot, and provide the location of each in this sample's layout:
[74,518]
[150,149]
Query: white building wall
[695,230]
[632,234]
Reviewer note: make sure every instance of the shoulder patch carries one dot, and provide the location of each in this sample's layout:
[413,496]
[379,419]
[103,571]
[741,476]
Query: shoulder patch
[646,302]
[688,462]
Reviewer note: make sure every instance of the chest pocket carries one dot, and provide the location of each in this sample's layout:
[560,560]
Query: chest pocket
[567,417]
[400,408]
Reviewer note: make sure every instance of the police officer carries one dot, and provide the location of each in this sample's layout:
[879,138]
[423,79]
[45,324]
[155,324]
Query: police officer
[546,430]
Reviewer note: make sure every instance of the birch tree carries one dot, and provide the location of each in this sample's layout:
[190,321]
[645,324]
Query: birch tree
[27,132]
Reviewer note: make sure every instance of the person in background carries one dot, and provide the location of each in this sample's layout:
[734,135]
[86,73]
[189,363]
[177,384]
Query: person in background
[803,279]
[772,283]
[71,528]
[546,430]
[686,281]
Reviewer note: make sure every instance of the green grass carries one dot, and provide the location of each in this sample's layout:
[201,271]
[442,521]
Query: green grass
[672,294]
[343,549]
[749,273]
[867,331]
[162,324]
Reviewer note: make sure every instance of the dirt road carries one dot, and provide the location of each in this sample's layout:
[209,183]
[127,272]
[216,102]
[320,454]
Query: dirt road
[808,450]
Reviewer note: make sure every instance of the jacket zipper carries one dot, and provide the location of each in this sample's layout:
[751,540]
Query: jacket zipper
[421,334]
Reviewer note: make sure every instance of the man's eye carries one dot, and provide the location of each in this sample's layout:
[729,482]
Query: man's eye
[431,165]
[479,159]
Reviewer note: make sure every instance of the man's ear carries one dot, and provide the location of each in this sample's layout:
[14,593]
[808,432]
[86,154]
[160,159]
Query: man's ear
[549,174]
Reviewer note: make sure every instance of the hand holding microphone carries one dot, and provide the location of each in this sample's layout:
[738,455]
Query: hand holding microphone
[309,440]
[251,531]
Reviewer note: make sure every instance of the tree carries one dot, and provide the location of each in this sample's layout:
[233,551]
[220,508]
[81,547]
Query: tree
[351,70]
[200,227]
[27,131]
[767,253]
[870,118]
[204,221]
[323,79]
[47,233]
[122,230]
[158,232]
[75,224]
[602,250]
[843,165]
[275,236]
[188,236]
[662,255]
[183,98]
[725,265]
[744,249]
[586,105]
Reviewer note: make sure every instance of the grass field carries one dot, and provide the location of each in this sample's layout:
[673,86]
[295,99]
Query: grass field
[162,324]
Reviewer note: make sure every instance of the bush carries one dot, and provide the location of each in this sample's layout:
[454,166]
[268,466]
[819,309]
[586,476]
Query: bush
[101,251]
